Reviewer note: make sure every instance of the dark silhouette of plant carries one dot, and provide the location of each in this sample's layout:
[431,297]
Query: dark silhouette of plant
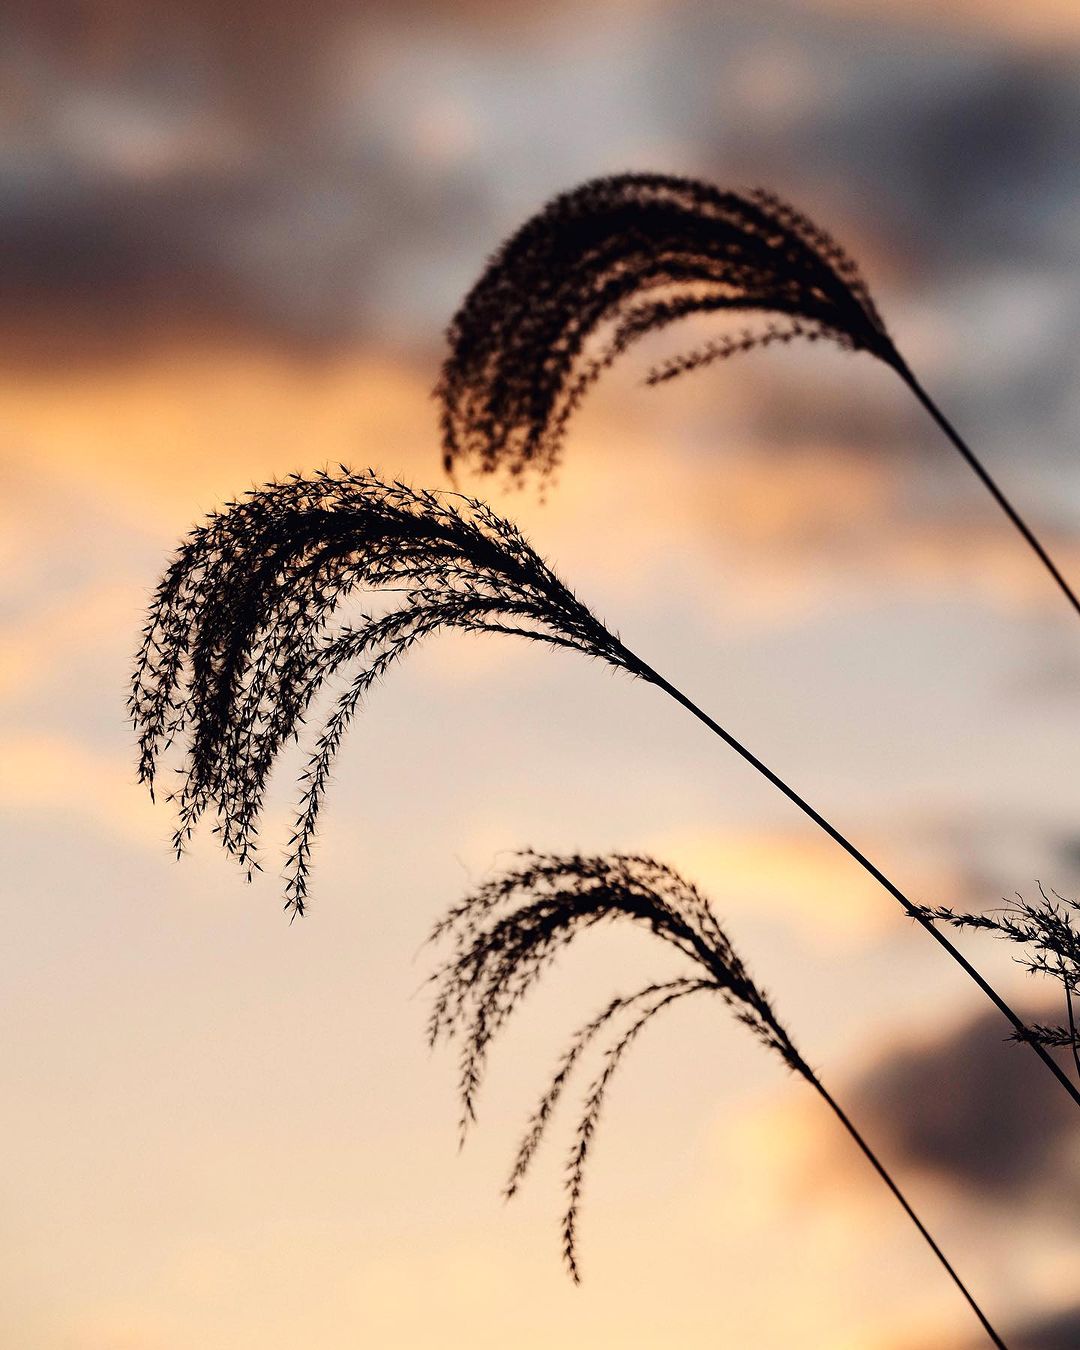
[1047,934]
[510,930]
[635,253]
[240,639]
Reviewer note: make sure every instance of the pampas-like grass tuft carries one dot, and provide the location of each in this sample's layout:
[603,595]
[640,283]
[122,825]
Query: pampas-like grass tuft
[640,251]
[636,253]
[1046,933]
[511,929]
[240,636]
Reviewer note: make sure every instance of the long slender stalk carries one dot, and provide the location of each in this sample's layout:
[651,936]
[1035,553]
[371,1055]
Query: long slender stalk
[879,1168]
[506,933]
[642,252]
[238,644]
[647,673]
[976,465]
[1072,1026]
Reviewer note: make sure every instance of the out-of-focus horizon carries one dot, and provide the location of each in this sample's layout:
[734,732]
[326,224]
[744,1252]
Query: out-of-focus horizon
[231,239]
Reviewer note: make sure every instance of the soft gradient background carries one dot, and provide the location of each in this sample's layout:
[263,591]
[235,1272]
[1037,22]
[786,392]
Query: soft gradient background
[231,235]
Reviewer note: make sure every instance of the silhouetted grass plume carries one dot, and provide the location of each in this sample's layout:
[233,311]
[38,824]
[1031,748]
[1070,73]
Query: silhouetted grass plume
[1046,933]
[243,633]
[635,253]
[241,637]
[513,927]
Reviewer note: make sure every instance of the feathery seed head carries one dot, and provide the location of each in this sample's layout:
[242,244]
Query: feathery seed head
[635,252]
[508,932]
[1046,933]
[241,633]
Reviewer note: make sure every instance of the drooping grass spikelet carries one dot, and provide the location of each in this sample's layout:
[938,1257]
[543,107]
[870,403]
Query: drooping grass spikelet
[510,930]
[512,927]
[636,252]
[241,635]
[1048,937]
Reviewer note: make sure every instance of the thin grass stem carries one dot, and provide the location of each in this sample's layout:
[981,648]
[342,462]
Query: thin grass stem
[909,907]
[1072,1020]
[507,932]
[636,254]
[880,1169]
[241,638]
[984,477]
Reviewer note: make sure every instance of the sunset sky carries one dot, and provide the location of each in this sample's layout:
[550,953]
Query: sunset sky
[232,237]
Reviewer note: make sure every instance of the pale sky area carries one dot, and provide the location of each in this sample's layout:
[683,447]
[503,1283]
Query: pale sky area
[232,237]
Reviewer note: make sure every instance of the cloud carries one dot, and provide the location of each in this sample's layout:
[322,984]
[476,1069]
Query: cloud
[975,1110]
[1045,24]
[203,223]
[262,170]
[798,876]
[175,165]
[161,438]
[1055,1331]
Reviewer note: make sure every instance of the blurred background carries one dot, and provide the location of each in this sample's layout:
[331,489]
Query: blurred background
[231,237]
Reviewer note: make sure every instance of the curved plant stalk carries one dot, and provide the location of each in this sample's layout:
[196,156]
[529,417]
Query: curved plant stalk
[507,933]
[633,254]
[241,638]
